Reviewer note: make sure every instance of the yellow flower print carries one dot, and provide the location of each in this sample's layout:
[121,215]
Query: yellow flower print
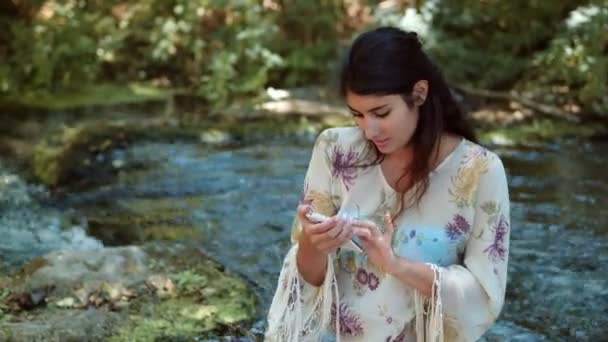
[328,138]
[321,202]
[464,184]
[351,264]
[296,230]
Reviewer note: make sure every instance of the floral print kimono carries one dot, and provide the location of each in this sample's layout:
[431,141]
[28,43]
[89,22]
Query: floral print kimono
[460,229]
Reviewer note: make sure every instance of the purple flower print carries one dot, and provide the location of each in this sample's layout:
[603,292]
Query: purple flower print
[497,249]
[349,321]
[457,227]
[362,276]
[369,279]
[372,281]
[343,166]
[398,338]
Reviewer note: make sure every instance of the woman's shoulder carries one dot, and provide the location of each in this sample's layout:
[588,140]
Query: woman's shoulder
[475,153]
[479,162]
[341,137]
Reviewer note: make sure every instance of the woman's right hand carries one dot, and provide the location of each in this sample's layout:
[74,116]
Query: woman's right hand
[327,236]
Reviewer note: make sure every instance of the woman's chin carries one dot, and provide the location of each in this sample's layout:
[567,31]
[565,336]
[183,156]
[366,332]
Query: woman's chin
[384,149]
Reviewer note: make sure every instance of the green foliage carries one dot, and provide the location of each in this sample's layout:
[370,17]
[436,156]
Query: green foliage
[64,54]
[573,70]
[489,43]
[531,46]
[223,49]
[216,48]
[308,39]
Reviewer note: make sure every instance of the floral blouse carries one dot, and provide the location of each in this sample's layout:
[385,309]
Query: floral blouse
[460,228]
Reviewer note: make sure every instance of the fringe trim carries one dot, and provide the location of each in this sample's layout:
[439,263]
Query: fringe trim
[433,332]
[291,318]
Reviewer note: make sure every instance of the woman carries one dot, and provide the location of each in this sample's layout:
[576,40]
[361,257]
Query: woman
[435,268]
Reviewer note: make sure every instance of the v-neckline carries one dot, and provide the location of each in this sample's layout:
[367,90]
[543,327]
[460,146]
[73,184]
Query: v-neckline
[437,168]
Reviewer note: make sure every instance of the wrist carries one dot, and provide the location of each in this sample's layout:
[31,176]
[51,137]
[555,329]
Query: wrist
[308,248]
[396,266]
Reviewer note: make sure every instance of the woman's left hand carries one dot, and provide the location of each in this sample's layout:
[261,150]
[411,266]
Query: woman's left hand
[377,245]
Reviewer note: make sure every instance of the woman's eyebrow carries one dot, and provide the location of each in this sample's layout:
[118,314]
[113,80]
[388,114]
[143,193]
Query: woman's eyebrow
[370,110]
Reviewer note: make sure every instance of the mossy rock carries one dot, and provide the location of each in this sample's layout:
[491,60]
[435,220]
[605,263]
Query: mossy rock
[57,156]
[206,303]
[204,300]
[65,156]
[138,220]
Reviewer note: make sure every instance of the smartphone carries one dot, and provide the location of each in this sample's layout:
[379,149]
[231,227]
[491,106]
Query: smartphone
[353,244]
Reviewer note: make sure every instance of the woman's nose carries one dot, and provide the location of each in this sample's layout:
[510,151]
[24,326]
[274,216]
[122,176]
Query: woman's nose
[371,128]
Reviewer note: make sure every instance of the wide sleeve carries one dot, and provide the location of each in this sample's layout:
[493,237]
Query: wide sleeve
[472,294]
[300,311]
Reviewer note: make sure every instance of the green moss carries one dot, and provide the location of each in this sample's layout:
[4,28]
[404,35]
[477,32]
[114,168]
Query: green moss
[538,131]
[103,94]
[60,152]
[48,163]
[136,220]
[174,317]
[169,232]
[205,300]
[4,293]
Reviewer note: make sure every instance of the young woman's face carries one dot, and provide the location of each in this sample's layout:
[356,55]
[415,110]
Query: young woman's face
[387,121]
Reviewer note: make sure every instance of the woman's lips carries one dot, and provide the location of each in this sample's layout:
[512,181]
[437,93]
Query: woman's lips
[381,142]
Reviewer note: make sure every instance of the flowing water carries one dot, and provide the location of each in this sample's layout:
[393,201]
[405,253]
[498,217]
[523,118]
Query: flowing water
[240,203]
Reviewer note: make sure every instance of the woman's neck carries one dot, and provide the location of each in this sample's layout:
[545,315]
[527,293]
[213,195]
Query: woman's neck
[402,157]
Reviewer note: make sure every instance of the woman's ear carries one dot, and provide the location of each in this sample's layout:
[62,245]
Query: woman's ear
[420,91]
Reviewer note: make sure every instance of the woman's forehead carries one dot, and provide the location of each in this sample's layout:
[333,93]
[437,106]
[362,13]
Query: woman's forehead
[369,102]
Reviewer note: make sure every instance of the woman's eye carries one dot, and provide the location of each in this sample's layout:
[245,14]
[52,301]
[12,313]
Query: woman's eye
[357,115]
[381,115]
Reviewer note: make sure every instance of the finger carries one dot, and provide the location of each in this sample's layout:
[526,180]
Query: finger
[366,243]
[323,227]
[368,226]
[362,232]
[341,226]
[389,228]
[338,229]
[346,234]
[302,210]
[343,232]
[331,244]
[321,233]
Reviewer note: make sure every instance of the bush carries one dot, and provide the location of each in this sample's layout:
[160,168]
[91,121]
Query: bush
[573,70]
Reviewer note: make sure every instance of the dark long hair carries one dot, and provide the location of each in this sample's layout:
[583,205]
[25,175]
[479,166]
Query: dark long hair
[389,61]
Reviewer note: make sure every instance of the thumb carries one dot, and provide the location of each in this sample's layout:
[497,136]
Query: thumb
[389,228]
[303,210]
